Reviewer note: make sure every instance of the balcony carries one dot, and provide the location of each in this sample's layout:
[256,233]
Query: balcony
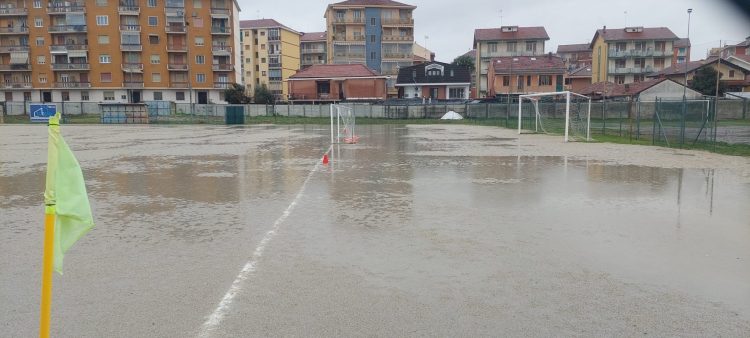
[389,55]
[342,37]
[499,53]
[129,10]
[182,67]
[317,50]
[178,84]
[349,56]
[132,67]
[131,47]
[175,29]
[222,85]
[274,38]
[15,68]
[62,49]
[221,12]
[68,7]
[67,29]
[72,85]
[628,70]
[14,30]
[177,48]
[397,22]
[130,28]
[15,85]
[174,11]
[223,67]
[398,38]
[221,50]
[313,62]
[15,48]
[639,53]
[221,30]
[133,84]
[71,66]
[14,11]
[349,21]
[274,65]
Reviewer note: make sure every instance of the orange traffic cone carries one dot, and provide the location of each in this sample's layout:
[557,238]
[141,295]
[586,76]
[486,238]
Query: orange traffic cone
[325,158]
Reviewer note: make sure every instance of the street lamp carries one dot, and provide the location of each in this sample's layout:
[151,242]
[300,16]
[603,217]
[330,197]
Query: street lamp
[689,11]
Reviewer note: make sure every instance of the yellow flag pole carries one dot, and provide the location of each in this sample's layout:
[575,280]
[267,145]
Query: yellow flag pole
[47,260]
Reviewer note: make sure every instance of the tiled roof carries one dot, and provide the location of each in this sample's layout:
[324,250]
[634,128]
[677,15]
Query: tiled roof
[314,36]
[528,64]
[648,33]
[378,3]
[523,33]
[579,47]
[334,71]
[682,43]
[417,74]
[580,72]
[262,23]
[681,68]
[472,53]
[610,89]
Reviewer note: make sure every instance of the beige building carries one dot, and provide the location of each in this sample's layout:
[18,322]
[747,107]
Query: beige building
[506,41]
[313,49]
[117,51]
[270,55]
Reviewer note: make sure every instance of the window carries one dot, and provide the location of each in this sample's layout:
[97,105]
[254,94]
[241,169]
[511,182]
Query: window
[200,59]
[65,96]
[660,45]
[153,39]
[640,63]
[156,77]
[620,46]
[531,46]
[179,96]
[27,96]
[40,60]
[198,22]
[84,96]
[109,95]
[263,73]
[262,46]
[492,46]
[102,20]
[373,55]
[638,78]
[619,79]
[247,33]
[248,60]
[38,22]
[545,80]
[158,96]
[199,42]
[103,39]
[101,3]
[42,78]
[658,64]
[731,73]
[197,3]
[262,33]
[506,81]
[372,22]
[105,58]
[40,41]
[151,3]
[511,46]
[640,46]
[155,59]
[106,77]
[620,63]
[153,21]
[37,3]
[200,78]
[456,93]
[372,38]
[528,81]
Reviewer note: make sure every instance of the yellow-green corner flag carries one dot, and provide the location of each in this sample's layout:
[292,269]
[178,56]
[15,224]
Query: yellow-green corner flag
[65,192]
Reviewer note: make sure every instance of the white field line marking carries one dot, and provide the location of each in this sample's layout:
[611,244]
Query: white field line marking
[215,318]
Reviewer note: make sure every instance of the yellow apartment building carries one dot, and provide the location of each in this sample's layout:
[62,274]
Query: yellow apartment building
[376,33]
[627,55]
[118,50]
[313,49]
[270,55]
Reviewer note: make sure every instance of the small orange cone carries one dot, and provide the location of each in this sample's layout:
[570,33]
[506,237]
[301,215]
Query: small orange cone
[325,158]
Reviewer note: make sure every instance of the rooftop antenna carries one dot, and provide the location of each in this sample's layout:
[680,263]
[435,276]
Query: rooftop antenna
[501,18]
[626,18]
[257,14]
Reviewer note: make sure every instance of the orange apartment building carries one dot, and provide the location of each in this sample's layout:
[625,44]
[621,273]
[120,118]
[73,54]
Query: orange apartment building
[118,51]
[525,75]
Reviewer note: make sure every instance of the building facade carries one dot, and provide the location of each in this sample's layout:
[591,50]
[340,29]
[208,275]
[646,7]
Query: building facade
[376,33]
[526,75]
[575,56]
[681,51]
[313,49]
[434,80]
[733,75]
[504,42]
[270,55]
[333,83]
[627,55]
[118,51]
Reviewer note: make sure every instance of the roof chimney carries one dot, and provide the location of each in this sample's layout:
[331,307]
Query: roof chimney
[604,30]
[549,55]
[627,87]
[432,57]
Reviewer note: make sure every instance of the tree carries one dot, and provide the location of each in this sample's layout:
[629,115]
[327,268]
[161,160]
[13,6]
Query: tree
[263,95]
[704,81]
[236,94]
[466,61]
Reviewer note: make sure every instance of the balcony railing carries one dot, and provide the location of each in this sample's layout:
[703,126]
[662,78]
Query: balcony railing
[16,48]
[274,65]
[66,48]
[130,28]
[131,47]
[129,10]
[133,84]
[397,21]
[77,7]
[342,37]
[222,85]
[13,11]
[14,30]
[178,84]
[221,11]
[396,56]
[221,49]
[177,66]
[629,70]
[501,53]
[223,67]
[72,85]
[176,48]
[317,50]
[639,53]
[71,66]
[67,29]
[175,29]
[132,67]
[346,20]
[313,62]
[221,30]
[12,68]
[274,38]
[16,85]
[398,38]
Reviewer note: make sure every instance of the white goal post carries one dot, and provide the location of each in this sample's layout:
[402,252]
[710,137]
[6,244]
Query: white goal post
[344,131]
[577,124]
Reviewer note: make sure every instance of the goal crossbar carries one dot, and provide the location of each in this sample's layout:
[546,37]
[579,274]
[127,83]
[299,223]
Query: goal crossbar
[567,94]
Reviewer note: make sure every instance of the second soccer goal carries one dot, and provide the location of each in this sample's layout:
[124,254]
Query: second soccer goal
[562,113]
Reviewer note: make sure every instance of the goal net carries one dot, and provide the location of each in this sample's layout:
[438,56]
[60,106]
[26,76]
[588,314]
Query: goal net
[343,124]
[563,113]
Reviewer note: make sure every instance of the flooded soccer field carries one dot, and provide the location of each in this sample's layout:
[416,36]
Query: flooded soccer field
[445,230]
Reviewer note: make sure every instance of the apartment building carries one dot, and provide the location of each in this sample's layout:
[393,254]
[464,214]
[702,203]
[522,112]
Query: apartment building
[575,55]
[506,41]
[117,51]
[313,49]
[681,52]
[627,55]
[376,33]
[518,75]
[270,55]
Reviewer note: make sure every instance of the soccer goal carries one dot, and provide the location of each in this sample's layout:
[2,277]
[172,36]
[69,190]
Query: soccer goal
[343,129]
[565,113]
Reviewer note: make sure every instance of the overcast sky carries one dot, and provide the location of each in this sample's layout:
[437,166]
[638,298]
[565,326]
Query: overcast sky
[450,24]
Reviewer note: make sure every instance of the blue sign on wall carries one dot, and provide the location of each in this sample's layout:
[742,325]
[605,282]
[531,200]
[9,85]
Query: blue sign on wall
[42,112]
